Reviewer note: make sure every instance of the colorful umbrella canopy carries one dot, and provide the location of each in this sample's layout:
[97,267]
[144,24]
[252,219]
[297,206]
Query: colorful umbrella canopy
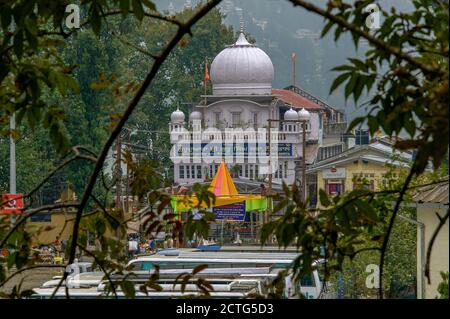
[222,186]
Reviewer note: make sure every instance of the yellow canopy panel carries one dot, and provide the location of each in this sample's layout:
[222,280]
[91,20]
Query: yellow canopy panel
[226,193]
[181,203]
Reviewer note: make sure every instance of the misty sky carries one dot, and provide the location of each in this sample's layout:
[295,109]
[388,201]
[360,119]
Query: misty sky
[280,29]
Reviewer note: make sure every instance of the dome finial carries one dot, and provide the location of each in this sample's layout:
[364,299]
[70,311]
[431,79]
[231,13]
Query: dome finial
[242,24]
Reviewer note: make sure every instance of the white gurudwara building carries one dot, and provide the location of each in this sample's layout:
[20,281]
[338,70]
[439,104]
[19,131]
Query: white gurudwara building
[243,98]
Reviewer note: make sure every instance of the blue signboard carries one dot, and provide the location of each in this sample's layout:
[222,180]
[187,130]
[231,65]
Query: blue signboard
[234,212]
[235,149]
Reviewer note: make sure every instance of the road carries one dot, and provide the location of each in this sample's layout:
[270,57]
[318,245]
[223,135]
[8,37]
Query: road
[31,278]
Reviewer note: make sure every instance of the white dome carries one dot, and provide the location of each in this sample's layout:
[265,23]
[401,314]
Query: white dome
[291,115]
[196,115]
[304,115]
[177,117]
[242,69]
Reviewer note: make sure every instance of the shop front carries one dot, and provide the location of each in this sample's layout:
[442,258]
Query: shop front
[334,179]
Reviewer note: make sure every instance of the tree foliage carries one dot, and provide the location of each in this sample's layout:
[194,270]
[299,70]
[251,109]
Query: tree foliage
[83,86]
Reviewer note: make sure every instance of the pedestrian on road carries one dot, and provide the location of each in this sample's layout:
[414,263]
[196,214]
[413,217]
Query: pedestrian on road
[132,247]
[152,244]
[170,242]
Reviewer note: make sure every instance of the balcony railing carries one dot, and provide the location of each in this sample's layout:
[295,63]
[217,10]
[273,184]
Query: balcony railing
[335,128]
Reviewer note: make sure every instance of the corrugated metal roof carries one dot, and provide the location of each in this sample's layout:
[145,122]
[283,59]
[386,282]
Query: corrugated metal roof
[437,193]
[296,101]
[390,149]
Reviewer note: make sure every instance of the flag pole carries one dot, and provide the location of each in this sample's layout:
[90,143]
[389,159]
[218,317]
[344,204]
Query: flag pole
[293,56]
[206,79]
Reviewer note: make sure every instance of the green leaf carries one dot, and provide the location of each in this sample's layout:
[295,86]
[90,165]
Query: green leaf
[96,20]
[355,122]
[338,81]
[138,9]
[351,85]
[128,289]
[18,44]
[124,7]
[359,64]
[5,16]
[358,88]
[31,26]
[410,126]
[343,67]
[367,210]
[373,124]
[337,33]
[267,230]
[370,80]
[324,200]
[100,226]
[326,28]
[149,4]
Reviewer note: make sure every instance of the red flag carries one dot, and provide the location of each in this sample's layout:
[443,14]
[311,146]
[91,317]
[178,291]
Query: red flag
[206,72]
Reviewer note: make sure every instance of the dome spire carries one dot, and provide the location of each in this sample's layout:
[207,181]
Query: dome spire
[242,24]
[242,40]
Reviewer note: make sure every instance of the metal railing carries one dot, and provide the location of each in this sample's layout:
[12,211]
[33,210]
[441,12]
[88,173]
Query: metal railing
[335,128]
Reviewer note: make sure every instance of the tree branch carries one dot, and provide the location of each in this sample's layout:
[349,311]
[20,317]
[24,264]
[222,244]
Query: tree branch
[184,28]
[156,16]
[108,277]
[77,156]
[134,46]
[31,212]
[375,41]
[104,210]
[391,225]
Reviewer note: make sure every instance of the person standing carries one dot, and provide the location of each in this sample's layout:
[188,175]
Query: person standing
[170,242]
[132,247]
[63,248]
[152,244]
[57,244]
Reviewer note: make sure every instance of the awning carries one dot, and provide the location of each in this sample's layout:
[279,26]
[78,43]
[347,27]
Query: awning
[226,193]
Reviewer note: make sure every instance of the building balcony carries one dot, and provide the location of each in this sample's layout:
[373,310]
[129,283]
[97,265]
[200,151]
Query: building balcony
[336,128]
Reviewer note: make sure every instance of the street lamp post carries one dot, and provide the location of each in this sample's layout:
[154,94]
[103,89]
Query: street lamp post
[291,116]
[12,149]
[304,117]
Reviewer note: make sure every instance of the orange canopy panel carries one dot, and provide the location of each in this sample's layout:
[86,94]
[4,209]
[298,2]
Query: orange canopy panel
[226,193]
[222,184]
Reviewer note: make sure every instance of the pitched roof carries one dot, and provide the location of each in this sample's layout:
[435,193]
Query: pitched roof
[371,152]
[295,100]
[436,193]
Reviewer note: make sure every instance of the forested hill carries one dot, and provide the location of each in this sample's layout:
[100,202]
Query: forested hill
[108,68]
[280,29]
[112,61]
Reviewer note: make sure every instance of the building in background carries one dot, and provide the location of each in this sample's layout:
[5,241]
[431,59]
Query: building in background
[243,97]
[359,166]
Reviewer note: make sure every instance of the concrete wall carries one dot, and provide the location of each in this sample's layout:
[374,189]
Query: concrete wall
[440,251]
[247,109]
[49,230]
